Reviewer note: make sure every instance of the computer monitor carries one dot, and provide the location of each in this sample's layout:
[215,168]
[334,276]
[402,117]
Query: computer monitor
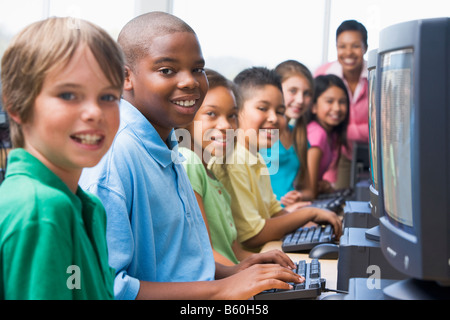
[414,137]
[373,145]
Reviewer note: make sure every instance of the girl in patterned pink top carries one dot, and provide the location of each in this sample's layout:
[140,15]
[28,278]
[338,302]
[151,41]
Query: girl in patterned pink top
[327,126]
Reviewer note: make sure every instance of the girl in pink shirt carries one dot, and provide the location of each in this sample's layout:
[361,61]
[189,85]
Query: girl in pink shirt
[327,127]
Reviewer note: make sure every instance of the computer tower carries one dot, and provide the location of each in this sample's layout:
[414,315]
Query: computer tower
[358,214]
[356,254]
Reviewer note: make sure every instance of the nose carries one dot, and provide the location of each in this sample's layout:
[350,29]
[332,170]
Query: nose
[223,123]
[272,116]
[187,80]
[91,111]
[299,98]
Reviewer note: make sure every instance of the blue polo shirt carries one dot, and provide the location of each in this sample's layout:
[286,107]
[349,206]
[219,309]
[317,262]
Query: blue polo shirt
[155,230]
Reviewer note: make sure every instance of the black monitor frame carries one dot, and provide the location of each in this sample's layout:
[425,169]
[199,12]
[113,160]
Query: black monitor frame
[423,251]
[374,188]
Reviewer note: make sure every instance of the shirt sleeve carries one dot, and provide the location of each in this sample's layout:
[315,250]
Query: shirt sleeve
[317,137]
[244,203]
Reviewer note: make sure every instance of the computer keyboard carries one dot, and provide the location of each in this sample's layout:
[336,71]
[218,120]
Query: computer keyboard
[348,192]
[332,204]
[306,238]
[311,288]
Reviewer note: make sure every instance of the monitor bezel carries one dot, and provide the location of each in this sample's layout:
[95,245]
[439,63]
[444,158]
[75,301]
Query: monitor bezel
[415,252]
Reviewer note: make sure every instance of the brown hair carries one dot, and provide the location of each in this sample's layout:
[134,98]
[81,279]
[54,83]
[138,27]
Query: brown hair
[43,47]
[286,70]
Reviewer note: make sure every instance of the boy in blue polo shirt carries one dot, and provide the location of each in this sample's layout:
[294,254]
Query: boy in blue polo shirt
[157,238]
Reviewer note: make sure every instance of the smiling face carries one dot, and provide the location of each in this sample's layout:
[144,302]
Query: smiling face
[75,117]
[331,108]
[168,85]
[261,117]
[213,125]
[297,94]
[350,51]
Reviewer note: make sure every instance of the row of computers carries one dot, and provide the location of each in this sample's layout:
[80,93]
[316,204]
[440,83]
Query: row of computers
[396,243]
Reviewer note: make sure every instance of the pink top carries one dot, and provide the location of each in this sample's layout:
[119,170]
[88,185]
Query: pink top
[318,137]
[358,126]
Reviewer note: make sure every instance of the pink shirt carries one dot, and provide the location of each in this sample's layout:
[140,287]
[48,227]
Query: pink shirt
[358,126]
[318,137]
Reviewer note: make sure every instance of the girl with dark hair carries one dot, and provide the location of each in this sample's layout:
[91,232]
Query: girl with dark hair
[327,126]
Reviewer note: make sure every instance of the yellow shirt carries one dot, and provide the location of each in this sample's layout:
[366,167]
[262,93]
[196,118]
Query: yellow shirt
[247,180]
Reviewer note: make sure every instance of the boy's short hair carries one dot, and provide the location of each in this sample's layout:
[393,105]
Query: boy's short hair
[254,78]
[136,36]
[43,47]
[353,25]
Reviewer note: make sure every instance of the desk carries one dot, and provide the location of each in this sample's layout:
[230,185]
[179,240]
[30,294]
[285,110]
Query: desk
[328,267]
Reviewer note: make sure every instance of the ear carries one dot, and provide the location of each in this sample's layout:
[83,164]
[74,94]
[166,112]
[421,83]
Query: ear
[15,117]
[128,85]
[314,108]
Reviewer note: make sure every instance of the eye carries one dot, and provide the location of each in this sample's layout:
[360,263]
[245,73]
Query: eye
[343,102]
[166,71]
[211,114]
[199,70]
[68,96]
[109,98]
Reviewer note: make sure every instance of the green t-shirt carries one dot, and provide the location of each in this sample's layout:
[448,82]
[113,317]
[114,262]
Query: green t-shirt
[52,242]
[216,201]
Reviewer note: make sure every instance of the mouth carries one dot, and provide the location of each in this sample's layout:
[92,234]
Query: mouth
[335,117]
[270,131]
[296,109]
[349,61]
[185,103]
[187,106]
[88,139]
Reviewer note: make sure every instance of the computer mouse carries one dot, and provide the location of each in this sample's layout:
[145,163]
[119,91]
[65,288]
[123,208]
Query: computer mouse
[324,251]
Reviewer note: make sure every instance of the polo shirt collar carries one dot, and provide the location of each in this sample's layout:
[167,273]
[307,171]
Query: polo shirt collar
[243,155]
[21,162]
[163,154]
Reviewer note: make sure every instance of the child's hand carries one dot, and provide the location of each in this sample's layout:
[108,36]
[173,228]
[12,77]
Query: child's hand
[255,279]
[327,216]
[297,205]
[272,256]
[291,197]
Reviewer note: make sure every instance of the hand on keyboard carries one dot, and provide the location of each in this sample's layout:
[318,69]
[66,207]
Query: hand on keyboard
[308,289]
[323,216]
[257,278]
[272,256]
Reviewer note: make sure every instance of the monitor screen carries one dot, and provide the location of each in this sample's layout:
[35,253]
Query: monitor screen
[395,112]
[373,127]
